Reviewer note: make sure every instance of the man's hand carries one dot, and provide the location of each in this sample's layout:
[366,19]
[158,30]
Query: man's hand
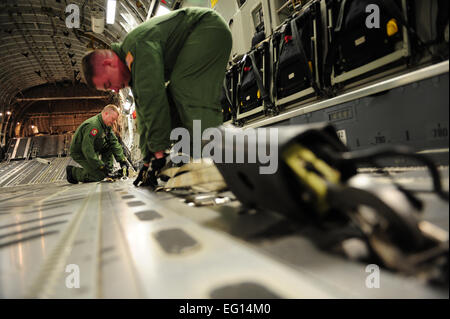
[142,175]
[157,163]
[149,171]
[155,167]
[124,168]
[104,170]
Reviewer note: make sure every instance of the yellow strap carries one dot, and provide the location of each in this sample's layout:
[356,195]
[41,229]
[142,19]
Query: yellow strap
[170,172]
[197,177]
[191,166]
[200,177]
[297,158]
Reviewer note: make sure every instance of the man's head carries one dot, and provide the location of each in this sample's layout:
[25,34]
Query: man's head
[104,70]
[110,114]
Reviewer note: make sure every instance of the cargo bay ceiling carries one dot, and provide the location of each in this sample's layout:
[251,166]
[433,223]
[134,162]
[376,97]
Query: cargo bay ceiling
[42,46]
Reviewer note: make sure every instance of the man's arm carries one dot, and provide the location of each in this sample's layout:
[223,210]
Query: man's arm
[116,148]
[87,147]
[153,112]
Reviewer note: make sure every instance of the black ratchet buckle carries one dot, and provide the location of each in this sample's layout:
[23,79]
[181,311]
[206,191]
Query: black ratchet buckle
[317,179]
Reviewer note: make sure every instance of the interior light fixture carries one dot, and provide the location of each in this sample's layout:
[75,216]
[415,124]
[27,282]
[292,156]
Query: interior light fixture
[128,103]
[111,11]
[161,10]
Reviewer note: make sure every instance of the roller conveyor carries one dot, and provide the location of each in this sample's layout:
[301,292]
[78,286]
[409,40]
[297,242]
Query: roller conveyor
[129,242]
[50,170]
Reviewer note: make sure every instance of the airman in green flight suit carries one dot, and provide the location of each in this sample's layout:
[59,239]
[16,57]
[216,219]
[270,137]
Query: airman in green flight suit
[179,57]
[94,146]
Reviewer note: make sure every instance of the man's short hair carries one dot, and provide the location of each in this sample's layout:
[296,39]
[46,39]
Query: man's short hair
[111,107]
[87,67]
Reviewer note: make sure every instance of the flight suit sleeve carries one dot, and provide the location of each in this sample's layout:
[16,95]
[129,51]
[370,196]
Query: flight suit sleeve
[153,112]
[89,135]
[116,147]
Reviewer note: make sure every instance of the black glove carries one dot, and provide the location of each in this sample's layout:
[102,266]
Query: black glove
[124,168]
[104,170]
[154,168]
[157,163]
[148,175]
[141,176]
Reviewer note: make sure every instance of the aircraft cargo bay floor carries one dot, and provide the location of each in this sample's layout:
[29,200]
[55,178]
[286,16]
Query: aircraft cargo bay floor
[128,242]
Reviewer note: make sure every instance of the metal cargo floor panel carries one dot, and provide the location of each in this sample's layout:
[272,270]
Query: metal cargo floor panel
[129,242]
[44,171]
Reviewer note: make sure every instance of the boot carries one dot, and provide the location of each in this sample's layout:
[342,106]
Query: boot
[70,177]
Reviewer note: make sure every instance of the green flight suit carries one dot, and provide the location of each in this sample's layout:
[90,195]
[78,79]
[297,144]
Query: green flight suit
[190,48]
[94,146]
